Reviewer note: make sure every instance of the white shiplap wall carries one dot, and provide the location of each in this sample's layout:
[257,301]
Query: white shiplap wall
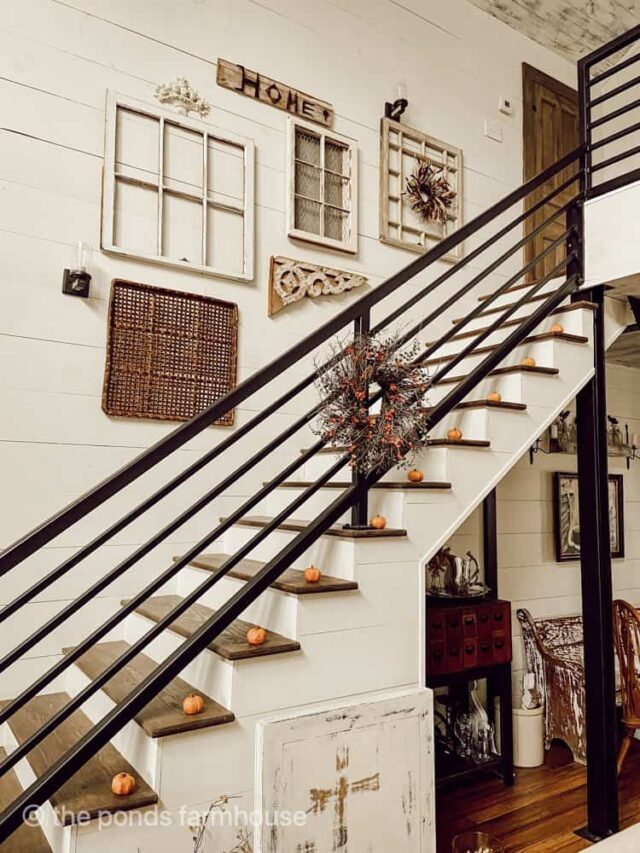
[57,59]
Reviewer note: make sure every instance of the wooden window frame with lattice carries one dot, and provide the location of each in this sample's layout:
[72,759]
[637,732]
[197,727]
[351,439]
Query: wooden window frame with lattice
[393,229]
[115,172]
[350,178]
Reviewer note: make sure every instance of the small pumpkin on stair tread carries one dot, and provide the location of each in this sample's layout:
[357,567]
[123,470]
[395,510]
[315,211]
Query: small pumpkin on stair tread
[415,476]
[312,574]
[494,397]
[557,329]
[528,362]
[256,636]
[378,522]
[123,784]
[193,704]
[454,434]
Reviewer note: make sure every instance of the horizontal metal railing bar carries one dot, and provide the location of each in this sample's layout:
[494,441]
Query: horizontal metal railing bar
[484,334]
[95,589]
[611,161]
[607,51]
[629,84]
[104,730]
[615,183]
[418,297]
[627,108]
[68,516]
[614,137]
[448,303]
[139,645]
[60,666]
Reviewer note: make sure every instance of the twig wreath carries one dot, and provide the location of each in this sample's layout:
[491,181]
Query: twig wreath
[429,193]
[376,440]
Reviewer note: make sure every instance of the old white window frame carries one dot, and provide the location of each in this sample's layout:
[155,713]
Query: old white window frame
[113,173]
[419,146]
[350,244]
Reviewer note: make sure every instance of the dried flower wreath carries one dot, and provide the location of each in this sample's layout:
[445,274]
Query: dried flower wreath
[429,193]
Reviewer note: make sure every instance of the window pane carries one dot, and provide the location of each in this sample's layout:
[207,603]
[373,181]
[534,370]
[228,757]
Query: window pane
[308,181]
[225,240]
[182,229]
[307,147]
[336,191]
[136,219]
[183,159]
[307,215]
[137,144]
[336,224]
[336,157]
[225,173]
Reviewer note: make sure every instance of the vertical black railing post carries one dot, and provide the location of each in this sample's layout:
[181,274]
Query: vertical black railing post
[490,541]
[584,107]
[597,594]
[360,509]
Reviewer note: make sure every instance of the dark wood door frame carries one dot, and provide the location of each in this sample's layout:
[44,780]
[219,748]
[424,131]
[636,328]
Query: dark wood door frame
[534,75]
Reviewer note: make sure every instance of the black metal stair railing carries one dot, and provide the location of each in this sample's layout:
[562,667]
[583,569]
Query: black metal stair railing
[563,257]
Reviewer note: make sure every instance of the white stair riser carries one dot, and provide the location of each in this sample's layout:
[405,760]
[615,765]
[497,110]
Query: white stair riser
[482,322]
[513,296]
[316,466]
[541,351]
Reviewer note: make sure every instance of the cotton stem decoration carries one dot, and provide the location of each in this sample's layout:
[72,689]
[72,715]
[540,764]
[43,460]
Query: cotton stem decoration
[381,439]
[181,94]
[429,193]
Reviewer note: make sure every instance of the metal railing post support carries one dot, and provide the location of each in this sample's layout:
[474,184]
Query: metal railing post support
[360,509]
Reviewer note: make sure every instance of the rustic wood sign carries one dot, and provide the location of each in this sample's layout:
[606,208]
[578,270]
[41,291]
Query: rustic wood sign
[254,85]
[290,281]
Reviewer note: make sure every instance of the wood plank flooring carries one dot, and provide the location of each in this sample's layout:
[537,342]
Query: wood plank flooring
[540,813]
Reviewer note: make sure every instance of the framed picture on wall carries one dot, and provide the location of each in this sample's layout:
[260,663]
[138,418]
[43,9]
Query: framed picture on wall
[566,512]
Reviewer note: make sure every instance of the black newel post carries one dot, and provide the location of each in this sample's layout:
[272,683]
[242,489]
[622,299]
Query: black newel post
[360,509]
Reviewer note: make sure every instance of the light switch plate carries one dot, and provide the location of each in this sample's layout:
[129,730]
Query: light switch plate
[493,130]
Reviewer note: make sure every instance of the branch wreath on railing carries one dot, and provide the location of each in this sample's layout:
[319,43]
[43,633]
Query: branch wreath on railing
[390,436]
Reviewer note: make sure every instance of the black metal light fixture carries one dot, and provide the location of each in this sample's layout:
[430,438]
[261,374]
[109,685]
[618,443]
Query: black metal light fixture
[396,108]
[77,281]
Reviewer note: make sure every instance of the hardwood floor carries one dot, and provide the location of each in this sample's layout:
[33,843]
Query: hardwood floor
[542,810]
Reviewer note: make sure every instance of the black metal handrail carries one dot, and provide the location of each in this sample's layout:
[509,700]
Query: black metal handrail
[353,497]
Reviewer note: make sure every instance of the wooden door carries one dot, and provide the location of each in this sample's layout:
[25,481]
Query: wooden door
[550,131]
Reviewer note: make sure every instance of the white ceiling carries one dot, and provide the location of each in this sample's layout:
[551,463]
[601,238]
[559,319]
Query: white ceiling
[568,27]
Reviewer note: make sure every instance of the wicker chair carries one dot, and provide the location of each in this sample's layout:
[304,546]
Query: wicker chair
[627,639]
[554,652]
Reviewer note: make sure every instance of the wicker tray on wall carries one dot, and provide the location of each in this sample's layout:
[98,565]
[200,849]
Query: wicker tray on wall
[169,354]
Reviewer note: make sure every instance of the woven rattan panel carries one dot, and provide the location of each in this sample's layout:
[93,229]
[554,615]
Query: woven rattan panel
[169,354]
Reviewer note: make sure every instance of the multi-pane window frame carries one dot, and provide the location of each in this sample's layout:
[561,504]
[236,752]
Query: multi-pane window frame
[114,173]
[350,177]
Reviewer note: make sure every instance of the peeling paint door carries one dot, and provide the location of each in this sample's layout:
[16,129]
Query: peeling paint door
[355,778]
[550,126]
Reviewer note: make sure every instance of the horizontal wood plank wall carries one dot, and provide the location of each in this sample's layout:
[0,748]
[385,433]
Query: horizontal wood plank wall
[56,62]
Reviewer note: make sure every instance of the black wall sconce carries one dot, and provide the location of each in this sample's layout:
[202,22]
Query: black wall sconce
[77,281]
[396,109]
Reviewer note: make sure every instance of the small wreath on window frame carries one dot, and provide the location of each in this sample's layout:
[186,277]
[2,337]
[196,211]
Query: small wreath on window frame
[429,193]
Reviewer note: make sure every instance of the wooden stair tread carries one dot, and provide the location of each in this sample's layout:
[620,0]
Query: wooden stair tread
[563,309]
[517,287]
[291,580]
[231,644]
[501,371]
[493,404]
[88,790]
[532,339]
[539,297]
[464,442]
[384,484]
[297,525]
[28,838]
[163,715]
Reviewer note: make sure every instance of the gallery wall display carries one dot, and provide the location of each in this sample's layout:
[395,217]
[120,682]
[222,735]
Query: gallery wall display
[176,191]
[567,515]
[322,204]
[268,91]
[169,354]
[291,280]
[420,189]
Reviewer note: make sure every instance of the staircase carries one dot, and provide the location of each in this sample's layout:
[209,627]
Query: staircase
[112,701]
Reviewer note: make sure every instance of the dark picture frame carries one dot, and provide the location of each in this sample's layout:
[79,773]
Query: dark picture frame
[566,521]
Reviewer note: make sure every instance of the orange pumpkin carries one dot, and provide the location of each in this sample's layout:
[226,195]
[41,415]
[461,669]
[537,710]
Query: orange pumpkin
[312,574]
[494,397]
[415,476]
[256,636]
[123,784]
[193,704]
[454,434]
[528,361]
[557,329]
[379,522]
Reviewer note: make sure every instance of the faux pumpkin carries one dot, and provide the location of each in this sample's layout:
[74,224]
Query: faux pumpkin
[415,476]
[528,361]
[379,522]
[123,784]
[494,397]
[557,329]
[454,434]
[256,636]
[312,574]
[193,704]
